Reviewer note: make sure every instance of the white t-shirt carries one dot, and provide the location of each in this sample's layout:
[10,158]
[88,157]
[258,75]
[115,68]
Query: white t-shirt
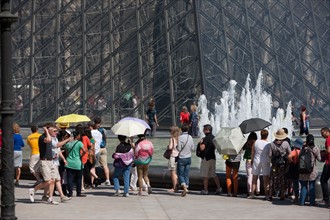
[98,139]
[55,151]
[261,148]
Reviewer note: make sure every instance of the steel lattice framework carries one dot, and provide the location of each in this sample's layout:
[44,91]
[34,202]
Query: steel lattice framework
[91,57]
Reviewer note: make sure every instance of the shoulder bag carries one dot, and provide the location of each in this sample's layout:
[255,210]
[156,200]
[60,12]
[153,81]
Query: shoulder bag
[168,152]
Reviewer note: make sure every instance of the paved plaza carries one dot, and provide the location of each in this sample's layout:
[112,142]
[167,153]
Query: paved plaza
[101,203]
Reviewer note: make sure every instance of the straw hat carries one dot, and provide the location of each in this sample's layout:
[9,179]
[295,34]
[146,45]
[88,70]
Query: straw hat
[63,125]
[280,134]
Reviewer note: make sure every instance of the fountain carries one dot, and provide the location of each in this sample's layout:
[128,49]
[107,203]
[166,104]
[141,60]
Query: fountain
[253,103]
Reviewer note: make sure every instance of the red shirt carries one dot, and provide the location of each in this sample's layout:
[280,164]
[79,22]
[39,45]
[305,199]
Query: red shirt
[85,140]
[327,145]
[184,117]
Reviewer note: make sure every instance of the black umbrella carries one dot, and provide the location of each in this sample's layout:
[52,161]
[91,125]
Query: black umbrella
[253,124]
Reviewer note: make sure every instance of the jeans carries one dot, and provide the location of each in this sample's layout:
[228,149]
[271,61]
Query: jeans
[324,181]
[74,176]
[153,128]
[125,171]
[183,167]
[304,192]
[296,188]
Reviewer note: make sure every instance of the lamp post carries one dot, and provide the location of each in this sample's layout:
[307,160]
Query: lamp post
[7,112]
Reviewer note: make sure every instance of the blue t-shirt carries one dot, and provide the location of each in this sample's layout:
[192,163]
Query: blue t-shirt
[18,142]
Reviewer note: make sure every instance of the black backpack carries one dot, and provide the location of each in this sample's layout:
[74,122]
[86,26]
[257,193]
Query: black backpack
[306,164]
[279,156]
[199,153]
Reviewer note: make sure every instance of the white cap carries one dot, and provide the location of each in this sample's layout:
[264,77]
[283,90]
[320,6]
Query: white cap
[68,132]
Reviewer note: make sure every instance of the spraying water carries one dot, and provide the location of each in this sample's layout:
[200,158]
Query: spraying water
[253,103]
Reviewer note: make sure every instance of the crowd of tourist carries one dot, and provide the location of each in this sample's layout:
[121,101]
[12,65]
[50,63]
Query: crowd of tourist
[63,160]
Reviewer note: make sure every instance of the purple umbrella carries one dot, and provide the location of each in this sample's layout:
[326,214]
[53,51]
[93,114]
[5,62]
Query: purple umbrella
[136,120]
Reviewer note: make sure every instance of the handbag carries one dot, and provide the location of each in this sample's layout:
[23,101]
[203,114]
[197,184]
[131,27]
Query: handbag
[168,152]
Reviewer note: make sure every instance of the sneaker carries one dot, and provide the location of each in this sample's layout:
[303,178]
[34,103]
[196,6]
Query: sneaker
[107,183]
[16,183]
[31,194]
[65,198]
[229,194]
[204,192]
[51,201]
[44,198]
[149,190]
[218,191]
[126,195]
[117,193]
[252,196]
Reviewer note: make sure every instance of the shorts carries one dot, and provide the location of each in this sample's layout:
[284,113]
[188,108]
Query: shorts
[261,168]
[208,168]
[57,175]
[18,157]
[34,165]
[97,159]
[172,163]
[48,170]
[103,157]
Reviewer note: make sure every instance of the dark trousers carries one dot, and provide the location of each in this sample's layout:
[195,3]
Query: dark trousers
[74,176]
[324,181]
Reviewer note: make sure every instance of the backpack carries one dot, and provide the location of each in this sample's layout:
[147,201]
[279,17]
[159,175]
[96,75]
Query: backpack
[306,164]
[279,157]
[104,138]
[199,153]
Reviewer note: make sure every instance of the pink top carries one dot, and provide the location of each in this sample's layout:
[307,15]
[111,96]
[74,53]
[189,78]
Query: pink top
[143,150]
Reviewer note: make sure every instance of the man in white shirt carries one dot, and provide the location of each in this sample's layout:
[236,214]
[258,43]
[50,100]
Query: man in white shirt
[97,135]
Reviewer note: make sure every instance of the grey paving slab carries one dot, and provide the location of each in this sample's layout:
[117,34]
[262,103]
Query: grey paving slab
[102,204]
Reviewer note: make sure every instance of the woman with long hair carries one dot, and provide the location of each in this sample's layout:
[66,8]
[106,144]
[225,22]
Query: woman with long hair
[74,165]
[175,132]
[309,178]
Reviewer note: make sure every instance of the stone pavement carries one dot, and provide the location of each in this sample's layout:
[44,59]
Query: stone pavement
[101,203]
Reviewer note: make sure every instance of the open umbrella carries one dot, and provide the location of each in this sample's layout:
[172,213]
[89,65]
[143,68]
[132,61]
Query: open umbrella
[229,140]
[72,118]
[253,124]
[128,128]
[137,120]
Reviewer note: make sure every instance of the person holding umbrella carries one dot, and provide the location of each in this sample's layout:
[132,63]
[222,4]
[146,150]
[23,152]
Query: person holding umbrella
[123,159]
[261,163]
[248,164]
